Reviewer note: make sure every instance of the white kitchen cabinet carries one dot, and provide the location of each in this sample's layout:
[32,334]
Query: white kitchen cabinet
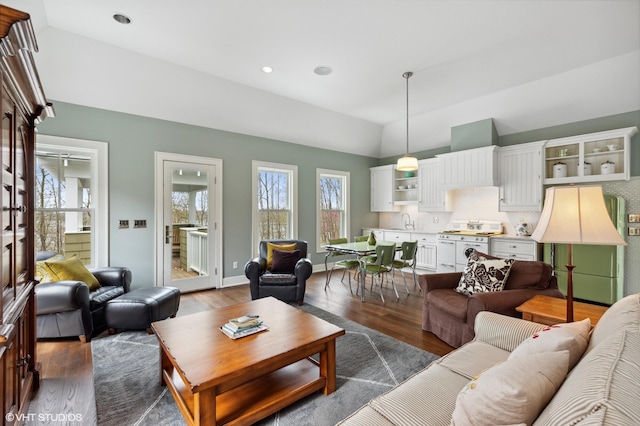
[594,157]
[520,176]
[382,181]
[522,248]
[378,233]
[469,168]
[397,236]
[426,255]
[446,260]
[431,192]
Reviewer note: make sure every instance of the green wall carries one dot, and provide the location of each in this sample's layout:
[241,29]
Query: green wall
[612,122]
[134,139]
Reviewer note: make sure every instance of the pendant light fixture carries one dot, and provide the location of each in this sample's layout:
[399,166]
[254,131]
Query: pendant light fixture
[407,163]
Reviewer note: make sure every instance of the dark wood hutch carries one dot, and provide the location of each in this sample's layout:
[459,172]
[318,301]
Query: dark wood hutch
[23,105]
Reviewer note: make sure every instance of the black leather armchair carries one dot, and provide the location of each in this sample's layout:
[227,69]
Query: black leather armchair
[286,286]
[68,308]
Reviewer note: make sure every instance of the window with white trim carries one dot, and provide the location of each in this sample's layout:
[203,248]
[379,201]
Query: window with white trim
[71,198]
[275,201]
[332,206]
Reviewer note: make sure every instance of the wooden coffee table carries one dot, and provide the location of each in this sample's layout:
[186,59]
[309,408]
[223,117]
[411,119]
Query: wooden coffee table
[553,310]
[218,380]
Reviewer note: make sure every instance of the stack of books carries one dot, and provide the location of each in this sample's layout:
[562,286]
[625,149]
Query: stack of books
[243,326]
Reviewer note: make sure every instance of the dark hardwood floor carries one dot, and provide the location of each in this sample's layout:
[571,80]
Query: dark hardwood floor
[66,371]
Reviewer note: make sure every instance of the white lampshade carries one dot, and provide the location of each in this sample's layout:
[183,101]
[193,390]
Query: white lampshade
[407,163]
[576,215]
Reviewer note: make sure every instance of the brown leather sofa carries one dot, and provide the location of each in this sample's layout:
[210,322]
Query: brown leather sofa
[451,315]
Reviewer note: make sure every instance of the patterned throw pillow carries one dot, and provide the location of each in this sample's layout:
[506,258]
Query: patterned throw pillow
[483,275]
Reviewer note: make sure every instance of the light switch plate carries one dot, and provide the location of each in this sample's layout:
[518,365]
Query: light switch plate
[123,223]
[634,231]
[633,218]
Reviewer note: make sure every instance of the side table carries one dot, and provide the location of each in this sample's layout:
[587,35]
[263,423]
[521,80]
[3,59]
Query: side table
[552,310]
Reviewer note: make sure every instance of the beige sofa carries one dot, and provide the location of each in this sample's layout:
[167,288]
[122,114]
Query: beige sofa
[602,389]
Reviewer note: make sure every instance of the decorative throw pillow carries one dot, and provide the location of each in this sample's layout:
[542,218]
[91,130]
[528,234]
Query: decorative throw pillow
[271,247]
[72,269]
[511,392]
[43,274]
[572,336]
[284,261]
[483,275]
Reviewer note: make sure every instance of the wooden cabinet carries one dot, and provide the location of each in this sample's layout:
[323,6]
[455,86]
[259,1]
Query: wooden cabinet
[431,192]
[593,157]
[382,181]
[520,175]
[522,248]
[23,103]
[469,168]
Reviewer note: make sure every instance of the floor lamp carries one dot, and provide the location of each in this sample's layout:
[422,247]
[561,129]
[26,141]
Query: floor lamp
[575,215]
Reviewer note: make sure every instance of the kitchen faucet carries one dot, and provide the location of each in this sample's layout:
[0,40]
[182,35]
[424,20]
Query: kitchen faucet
[408,223]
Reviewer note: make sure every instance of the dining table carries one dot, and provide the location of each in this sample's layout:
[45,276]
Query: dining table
[360,250]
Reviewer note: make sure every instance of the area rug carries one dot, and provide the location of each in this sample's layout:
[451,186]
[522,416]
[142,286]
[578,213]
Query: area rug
[126,377]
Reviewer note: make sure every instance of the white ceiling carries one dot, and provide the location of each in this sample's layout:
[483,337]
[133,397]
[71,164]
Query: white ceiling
[527,64]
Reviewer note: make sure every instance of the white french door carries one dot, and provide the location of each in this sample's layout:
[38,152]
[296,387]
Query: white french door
[188,214]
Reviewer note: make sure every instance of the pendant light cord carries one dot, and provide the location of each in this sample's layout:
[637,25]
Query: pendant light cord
[406,75]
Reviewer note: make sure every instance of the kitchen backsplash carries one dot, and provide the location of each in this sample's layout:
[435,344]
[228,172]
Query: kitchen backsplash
[468,203]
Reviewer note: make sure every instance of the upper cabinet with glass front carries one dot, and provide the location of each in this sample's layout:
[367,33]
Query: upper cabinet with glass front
[593,157]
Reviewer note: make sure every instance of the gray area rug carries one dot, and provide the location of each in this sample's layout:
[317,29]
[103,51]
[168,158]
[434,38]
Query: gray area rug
[126,377]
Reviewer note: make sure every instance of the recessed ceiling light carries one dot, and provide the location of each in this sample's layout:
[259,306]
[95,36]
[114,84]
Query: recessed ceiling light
[123,19]
[267,70]
[323,70]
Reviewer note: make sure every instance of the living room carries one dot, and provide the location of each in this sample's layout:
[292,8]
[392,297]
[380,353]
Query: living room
[104,93]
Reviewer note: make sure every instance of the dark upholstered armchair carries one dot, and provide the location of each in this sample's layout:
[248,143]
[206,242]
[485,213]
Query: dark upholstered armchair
[69,308]
[451,315]
[281,270]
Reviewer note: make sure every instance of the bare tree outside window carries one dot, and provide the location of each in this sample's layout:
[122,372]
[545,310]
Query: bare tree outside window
[180,211]
[63,213]
[49,224]
[273,204]
[331,208]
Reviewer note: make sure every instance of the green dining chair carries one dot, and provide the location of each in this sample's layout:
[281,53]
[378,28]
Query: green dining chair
[383,265]
[407,260]
[344,264]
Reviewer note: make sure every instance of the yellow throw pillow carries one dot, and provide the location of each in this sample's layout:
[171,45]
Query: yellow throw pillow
[271,247]
[73,269]
[43,273]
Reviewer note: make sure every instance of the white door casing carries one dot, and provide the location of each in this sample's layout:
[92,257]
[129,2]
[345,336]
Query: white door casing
[211,171]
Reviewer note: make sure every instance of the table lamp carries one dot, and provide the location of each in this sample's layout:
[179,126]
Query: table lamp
[575,215]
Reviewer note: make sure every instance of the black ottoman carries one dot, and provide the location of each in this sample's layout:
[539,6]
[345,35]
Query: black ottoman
[137,309]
